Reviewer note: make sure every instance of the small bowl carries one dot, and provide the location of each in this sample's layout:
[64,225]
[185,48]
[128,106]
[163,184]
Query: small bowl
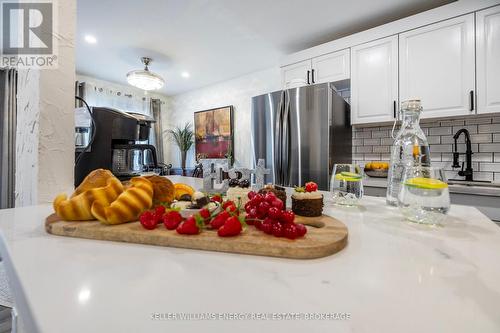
[187,212]
[377,173]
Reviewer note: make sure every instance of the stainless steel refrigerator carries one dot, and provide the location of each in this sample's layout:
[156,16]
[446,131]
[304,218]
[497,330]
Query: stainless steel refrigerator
[301,133]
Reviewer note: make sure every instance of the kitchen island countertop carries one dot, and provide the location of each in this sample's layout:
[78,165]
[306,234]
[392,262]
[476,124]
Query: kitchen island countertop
[393,276]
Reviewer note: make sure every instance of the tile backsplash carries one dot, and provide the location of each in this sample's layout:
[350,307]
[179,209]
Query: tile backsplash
[373,144]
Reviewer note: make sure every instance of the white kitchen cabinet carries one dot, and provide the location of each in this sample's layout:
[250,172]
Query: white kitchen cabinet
[296,75]
[436,65]
[374,81]
[331,67]
[488,60]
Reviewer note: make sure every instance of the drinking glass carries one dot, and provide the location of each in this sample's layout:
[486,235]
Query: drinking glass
[424,196]
[346,184]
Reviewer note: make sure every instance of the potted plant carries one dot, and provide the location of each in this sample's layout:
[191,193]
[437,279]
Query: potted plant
[183,138]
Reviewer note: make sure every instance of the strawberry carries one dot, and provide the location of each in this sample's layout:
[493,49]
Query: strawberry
[232,227]
[217,198]
[311,187]
[160,210]
[227,204]
[219,220]
[172,219]
[148,220]
[191,226]
[232,209]
[204,213]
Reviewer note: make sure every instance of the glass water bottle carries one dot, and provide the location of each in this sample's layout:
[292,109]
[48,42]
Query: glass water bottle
[410,148]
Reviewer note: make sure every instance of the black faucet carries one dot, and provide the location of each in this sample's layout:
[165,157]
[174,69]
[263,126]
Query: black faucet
[468,155]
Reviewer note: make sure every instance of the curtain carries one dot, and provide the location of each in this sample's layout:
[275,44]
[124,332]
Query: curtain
[115,98]
[156,136]
[8,114]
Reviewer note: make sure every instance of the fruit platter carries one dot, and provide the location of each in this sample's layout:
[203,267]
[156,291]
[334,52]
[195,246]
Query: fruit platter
[152,210]
[377,169]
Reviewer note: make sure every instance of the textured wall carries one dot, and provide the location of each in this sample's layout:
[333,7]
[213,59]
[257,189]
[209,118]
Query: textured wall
[27,138]
[45,140]
[374,143]
[237,92]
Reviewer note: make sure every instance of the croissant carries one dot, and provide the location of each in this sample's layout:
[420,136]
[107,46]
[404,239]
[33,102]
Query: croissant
[96,178]
[78,207]
[129,204]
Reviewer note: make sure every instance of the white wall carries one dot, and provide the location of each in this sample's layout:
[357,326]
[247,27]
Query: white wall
[45,133]
[237,92]
[125,89]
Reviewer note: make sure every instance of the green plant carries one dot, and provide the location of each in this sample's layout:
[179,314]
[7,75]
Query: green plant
[182,136]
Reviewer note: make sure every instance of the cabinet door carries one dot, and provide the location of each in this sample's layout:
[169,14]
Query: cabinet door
[436,65]
[374,81]
[488,60]
[331,67]
[296,75]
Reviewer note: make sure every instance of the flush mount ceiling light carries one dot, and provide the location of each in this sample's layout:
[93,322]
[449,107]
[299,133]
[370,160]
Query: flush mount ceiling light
[90,39]
[145,79]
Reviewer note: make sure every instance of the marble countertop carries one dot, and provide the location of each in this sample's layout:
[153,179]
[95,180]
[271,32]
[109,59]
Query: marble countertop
[392,277]
[454,188]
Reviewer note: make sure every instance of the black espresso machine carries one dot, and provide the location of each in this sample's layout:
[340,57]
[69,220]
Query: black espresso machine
[114,145]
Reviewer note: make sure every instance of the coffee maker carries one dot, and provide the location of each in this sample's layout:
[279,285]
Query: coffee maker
[115,144]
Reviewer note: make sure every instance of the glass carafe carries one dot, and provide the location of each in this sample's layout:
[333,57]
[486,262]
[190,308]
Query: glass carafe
[410,148]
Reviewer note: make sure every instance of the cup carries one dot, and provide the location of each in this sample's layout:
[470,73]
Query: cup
[424,196]
[346,184]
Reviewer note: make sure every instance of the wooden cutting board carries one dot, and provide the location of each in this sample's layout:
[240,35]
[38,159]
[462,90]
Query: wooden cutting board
[325,236]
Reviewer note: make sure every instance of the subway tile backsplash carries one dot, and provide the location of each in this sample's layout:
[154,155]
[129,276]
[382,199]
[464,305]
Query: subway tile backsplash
[373,143]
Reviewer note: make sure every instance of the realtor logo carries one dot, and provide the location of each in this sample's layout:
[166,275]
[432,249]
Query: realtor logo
[27,28]
[27,34]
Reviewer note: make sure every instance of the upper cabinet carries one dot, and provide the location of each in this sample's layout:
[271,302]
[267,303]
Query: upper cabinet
[296,75]
[326,68]
[436,65]
[488,60]
[331,67]
[374,81]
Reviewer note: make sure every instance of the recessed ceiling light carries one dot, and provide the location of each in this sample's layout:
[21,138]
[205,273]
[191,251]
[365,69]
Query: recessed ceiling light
[185,74]
[90,39]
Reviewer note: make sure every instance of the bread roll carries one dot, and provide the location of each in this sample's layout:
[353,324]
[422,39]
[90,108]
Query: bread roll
[129,204]
[78,207]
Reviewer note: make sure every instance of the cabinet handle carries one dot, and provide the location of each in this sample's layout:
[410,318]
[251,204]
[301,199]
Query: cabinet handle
[471,100]
[308,77]
[394,108]
[312,75]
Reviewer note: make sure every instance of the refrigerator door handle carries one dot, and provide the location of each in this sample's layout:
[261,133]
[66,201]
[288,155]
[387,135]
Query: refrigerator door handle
[277,141]
[286,142]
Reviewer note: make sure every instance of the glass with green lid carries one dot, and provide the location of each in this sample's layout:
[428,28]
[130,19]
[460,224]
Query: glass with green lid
[346,184]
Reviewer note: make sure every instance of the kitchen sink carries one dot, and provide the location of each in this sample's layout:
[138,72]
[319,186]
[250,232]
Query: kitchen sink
[473,183]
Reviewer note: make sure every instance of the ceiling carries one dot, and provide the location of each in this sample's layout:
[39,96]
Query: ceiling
[216,40]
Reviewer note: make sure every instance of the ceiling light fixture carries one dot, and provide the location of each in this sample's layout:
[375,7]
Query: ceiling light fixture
[145,79]
[90,39]
[185,75]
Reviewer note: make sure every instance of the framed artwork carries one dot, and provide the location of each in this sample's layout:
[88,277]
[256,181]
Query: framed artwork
[214,133]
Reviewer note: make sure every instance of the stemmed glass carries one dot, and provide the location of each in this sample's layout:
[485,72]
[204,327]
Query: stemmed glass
[346,184]
[424,196]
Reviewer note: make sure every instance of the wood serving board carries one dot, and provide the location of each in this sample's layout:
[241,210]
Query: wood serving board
[325,236]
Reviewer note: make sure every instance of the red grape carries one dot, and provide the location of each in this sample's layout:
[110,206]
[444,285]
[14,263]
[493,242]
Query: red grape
[278,204]
[274,213]
[287,216]
[290,231]
[278,230]
[301,229]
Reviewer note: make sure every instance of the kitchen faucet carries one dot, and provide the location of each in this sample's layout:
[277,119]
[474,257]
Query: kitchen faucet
[468,155]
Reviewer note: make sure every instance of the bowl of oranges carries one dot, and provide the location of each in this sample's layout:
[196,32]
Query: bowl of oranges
[377,169]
